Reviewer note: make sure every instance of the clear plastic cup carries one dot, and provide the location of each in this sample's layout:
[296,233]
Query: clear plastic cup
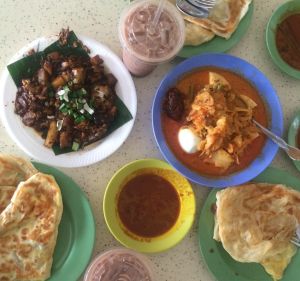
[119,264]
[144,45]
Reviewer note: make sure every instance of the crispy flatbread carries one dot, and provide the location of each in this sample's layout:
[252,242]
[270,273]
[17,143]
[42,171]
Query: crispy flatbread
[14,169]
[28,229]
[255,223]
[6,193]
[224,17]
[196,34]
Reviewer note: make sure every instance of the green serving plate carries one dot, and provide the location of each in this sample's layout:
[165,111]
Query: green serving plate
[292,135]
[219,262]
[219,44]
[76,232]
[280,13]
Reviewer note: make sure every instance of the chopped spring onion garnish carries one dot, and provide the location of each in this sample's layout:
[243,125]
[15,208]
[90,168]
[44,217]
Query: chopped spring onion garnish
[75,146]
[79,119]
[73,104]
[88,109]
[66,97]
[61,92]
[64,110]
[59,124]
[83,91]
[66,88]
[62,106]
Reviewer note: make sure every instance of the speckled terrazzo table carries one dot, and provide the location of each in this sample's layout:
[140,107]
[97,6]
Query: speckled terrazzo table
[24,21]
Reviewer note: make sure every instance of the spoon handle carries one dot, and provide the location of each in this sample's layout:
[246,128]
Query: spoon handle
[279,141]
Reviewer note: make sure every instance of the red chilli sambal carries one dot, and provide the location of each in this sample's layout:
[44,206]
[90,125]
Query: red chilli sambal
[288,40]
[148,205]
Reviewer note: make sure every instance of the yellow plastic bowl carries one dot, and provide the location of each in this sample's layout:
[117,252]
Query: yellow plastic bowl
[172,236]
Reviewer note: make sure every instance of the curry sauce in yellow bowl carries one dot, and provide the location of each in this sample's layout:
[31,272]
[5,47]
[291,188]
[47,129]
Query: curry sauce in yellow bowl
[148,206]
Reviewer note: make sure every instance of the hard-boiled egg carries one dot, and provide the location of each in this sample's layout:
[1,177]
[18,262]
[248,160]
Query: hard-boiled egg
[188,140]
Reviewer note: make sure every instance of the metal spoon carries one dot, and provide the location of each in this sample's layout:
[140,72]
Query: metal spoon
[195,8]
[292,152]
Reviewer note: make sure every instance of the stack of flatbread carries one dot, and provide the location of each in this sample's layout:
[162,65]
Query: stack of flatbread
[255,223]
[30,212]
[222,21]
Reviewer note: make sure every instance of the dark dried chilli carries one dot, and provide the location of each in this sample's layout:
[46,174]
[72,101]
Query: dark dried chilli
[174,104]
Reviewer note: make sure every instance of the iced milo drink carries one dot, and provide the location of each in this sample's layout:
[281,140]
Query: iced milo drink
[144,44]
[119,264]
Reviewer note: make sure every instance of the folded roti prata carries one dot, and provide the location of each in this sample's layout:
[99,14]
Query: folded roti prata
[6,193]
[224,17]
[255,223]
[14,169]
[28,229]
[196,34]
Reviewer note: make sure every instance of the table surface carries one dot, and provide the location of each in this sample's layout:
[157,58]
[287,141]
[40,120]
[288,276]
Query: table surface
[24,21]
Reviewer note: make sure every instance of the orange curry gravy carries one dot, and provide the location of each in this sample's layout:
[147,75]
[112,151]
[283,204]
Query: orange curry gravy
[170,127]
[148,205]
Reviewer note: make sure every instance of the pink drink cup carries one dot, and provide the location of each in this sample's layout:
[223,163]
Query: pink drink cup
[119,263]
[144,50]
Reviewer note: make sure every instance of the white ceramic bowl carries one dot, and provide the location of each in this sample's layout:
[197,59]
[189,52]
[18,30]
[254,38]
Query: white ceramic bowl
[30,142]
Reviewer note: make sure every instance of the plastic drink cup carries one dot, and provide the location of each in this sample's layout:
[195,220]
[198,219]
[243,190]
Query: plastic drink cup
[146,45]
[119,264]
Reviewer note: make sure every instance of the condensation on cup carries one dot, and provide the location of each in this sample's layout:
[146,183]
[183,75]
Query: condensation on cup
[145,45]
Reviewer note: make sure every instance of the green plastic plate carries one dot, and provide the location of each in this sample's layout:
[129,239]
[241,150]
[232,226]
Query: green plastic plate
[76,233]
[219,44]
[219,262]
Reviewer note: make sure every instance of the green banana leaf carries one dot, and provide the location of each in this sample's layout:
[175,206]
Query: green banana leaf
[27,66]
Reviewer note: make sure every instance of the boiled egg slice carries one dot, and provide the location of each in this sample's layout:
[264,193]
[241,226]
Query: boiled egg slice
[188,140]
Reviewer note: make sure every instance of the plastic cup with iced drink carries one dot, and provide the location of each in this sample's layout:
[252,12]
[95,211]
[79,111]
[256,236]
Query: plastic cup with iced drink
[119,264]
[146,44]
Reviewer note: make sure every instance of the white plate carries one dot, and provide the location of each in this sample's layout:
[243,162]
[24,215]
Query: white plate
[29,141]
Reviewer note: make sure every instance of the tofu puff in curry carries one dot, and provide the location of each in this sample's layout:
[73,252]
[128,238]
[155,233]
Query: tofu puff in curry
[207,121]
